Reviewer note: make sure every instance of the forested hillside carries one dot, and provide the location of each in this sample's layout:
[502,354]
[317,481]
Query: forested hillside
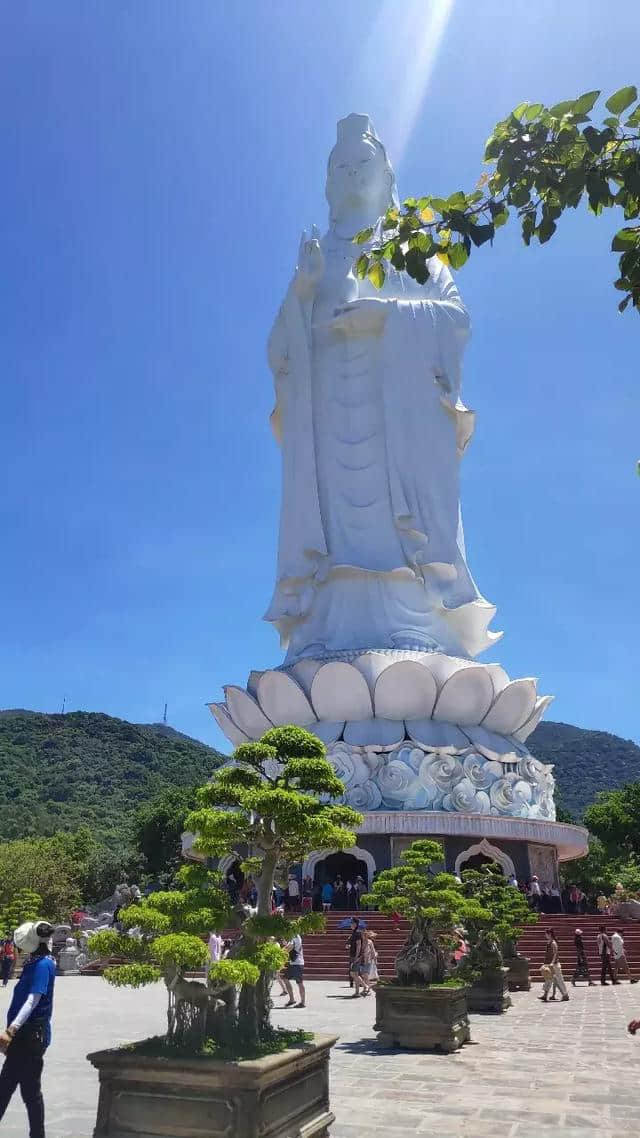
[585,761]
[88,769]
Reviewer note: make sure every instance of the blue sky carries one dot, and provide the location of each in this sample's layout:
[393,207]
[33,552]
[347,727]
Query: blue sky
[159,161]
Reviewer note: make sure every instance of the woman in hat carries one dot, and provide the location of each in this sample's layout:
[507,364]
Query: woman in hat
[28,1031]
[581,971]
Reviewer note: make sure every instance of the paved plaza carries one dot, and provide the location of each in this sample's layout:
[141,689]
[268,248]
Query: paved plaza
[537,1072]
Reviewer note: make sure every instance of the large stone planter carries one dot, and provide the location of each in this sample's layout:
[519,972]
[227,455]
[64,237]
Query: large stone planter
[518,973]
[490,993]
[424,1019]
[279,1096]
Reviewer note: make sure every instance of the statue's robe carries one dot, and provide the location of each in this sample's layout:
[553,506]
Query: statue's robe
[371,548]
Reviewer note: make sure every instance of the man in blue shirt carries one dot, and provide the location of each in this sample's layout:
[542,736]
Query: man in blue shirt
[28,1031]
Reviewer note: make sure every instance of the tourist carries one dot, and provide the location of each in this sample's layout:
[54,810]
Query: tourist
[602,905]
[581,970]
[361,889]
[7,959]
[552,969]
[361,960]
[512,880]
[215,947]
[535,894]
[307,894]
[352,899]
[292,901]
[604,952]
[620,962]
[373,971]
[354,944]
[28,1031]
[339,894]
[327,896]
[295,971]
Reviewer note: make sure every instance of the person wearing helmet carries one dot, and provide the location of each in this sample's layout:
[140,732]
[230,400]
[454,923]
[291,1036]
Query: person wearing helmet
[28,1031]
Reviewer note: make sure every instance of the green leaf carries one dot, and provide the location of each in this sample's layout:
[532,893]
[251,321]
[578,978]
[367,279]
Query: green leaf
[546,229]
[613,121]
[634,117]
[457,200]
[532,111]
[596,140]
[458,256]
[621,100]
[439,204]
[362,264]
[376,275]
[559,110]
[584,103]
[499,213]
[481,233]
[397,259]
[621,307]
[363,236]
[410,203]
[626,239]
[520,110]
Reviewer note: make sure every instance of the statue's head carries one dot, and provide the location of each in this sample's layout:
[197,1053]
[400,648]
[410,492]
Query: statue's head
[359,174]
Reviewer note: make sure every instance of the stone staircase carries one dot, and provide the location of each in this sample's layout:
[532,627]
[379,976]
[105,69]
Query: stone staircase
[326,955]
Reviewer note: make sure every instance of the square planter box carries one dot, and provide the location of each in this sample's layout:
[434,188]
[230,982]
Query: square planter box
[279,1096]
[518,978]
[490,993]
[424,1019]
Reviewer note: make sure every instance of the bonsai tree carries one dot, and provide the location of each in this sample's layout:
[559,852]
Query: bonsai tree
[272,804]
[433,902]
[492,937]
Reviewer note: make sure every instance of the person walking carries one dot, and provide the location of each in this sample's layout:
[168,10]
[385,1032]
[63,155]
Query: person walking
[28,1031]
[620,962]
[604,952]
[293,893]
[7,959]
[354,945]
[295,972]
[361,962]
[581,970]
[552,969]
[535,894]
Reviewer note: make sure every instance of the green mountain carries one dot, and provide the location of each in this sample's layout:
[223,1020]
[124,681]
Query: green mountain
[85,768]
[585,761]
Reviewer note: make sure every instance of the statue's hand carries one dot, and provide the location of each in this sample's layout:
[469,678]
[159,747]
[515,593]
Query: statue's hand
[364,317]
[310,265]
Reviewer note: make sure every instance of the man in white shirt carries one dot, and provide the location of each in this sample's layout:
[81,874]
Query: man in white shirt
[620,962]
[604,952]
[535,893]
[295,971]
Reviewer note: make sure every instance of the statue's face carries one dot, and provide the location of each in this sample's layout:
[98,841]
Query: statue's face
[357,176]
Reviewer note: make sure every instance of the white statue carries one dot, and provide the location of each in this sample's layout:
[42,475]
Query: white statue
[371,425]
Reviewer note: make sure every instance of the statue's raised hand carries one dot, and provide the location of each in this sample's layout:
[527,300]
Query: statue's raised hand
[310,265]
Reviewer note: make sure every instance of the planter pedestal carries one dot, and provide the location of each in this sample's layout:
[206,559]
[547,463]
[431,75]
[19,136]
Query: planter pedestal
[279,1096]
[424,1019]
[518,977]
[490,993]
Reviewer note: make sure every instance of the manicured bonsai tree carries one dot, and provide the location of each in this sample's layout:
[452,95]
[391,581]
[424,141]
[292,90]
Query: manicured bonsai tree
[272,804]
[433,902]
[493,937]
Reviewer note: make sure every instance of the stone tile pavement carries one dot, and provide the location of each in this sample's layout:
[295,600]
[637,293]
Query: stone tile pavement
[540,1071]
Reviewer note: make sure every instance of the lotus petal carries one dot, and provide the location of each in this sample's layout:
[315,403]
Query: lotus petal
[406,690]
[328,732]
[442,666]
[252,683]
[374,733]
[443,737]
[496,746]
[283,700]
[465,697]
[532,722]
[339,691]
[226,724]
[512,707]
[371,665]
[245,712]
[304,671]
[499,677]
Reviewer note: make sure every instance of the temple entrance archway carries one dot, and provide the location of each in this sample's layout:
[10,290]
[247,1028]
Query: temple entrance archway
[480,854]
[325,865]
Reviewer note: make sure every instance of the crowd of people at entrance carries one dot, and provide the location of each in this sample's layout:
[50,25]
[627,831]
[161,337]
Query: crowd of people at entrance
[611,955]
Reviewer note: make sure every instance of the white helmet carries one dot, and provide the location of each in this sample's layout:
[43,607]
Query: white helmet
[31,934]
